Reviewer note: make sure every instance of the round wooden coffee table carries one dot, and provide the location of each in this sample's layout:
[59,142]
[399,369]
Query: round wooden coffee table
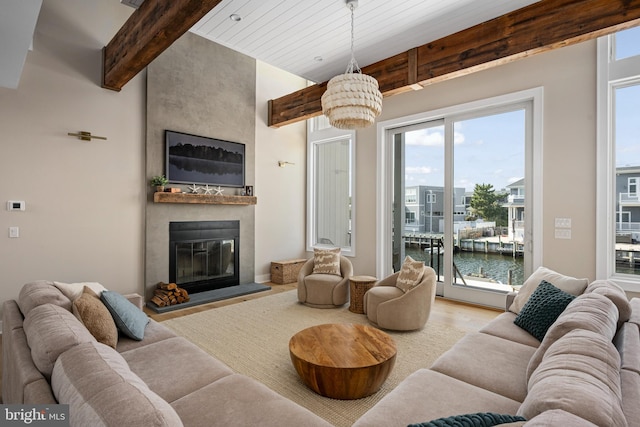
[343,361]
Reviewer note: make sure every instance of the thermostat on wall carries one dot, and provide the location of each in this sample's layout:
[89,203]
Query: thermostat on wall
[15,205]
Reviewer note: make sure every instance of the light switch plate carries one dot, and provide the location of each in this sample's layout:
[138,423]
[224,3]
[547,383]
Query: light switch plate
[563,233]
[563,223]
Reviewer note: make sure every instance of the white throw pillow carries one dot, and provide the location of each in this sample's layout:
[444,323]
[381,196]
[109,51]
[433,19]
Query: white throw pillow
[569,284]
[74,290]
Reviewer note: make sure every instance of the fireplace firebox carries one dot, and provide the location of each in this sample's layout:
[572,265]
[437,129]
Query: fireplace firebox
[204,255]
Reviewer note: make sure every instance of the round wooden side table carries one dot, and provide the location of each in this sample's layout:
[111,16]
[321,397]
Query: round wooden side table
[358,286]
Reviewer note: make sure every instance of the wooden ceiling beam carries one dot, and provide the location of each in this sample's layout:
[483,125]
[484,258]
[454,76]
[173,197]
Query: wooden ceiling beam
[539,27]
[151,29]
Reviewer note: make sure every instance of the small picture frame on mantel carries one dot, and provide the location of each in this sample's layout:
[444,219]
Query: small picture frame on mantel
[248,190]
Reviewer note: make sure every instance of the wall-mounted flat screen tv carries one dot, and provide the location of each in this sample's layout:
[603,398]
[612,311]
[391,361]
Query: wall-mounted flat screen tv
[192,159]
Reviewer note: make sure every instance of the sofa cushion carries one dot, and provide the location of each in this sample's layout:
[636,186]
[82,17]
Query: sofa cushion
[478,419]
[129,319]
[100,389]
[154,332]
[326,261]
[52,330]
[630,385]
[96,318]
[542,309]
[427,395]
[635,311]
[468,359]
[410,275]
[627,341]
[591,312]
[558,417]
[74,290]
[578,374]
[503,327]
[237,400]
[41,292]
[568,284]
[198,367]
[616,294]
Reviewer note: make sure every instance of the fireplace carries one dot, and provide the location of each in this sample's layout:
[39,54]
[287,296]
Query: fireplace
[204,255]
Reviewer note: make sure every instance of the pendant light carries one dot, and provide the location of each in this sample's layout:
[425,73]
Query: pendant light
[352,100]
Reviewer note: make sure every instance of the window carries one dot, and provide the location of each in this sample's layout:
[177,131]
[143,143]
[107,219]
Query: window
[431,198]
[330,188]
[633,187]
[626,43]
[410,196]
[618,162]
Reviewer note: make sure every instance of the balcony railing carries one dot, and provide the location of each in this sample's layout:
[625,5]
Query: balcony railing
[627,226]
[629,198]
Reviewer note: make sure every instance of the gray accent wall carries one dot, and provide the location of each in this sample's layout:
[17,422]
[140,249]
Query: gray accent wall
[202,88]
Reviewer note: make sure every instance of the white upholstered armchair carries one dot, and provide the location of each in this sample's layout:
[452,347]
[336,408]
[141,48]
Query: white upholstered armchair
[389,307]
[324,290]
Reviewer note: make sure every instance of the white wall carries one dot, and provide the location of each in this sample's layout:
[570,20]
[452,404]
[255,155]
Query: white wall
[568,76]
[280,212]
[84,200]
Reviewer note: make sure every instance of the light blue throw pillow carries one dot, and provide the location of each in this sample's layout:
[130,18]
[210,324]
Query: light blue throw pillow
[129,318]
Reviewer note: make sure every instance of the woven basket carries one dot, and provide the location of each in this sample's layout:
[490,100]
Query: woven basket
[283,272]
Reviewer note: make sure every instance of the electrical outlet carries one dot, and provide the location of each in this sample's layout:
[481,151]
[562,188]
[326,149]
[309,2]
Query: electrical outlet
[14,232]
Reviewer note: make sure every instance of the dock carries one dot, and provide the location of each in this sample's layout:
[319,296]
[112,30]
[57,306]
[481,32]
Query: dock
[494,244]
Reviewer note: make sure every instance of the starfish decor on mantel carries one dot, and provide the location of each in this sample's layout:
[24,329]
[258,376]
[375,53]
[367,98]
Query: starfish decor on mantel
[194,189]
[218,191]
[207,189]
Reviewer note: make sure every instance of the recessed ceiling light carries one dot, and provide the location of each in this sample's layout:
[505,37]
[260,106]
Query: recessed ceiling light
[235,17]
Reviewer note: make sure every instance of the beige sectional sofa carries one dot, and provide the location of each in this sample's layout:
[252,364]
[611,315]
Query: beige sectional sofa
[163,380]
[585,372]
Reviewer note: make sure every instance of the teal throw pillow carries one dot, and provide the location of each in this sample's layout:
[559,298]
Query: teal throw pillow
[542,309]
[480,419]
[129,319]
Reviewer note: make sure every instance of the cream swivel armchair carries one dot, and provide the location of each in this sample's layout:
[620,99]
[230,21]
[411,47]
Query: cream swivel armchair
[389,307]
[324,290]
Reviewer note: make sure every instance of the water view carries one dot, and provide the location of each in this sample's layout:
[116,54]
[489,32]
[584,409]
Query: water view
[494,266]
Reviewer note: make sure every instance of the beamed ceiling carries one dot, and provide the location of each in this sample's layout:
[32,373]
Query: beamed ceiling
[538,27]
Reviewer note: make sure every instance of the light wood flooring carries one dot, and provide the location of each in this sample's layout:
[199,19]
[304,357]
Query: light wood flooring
[466,317]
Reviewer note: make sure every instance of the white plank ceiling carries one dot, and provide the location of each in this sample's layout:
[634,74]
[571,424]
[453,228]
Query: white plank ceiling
[311,38]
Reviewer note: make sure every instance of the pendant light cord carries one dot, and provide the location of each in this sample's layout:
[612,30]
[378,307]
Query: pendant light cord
[352,67]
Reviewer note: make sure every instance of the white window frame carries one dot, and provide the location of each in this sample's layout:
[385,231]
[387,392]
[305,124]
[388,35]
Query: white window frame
[384,178]
[319,133]
[632,182]
[611,74]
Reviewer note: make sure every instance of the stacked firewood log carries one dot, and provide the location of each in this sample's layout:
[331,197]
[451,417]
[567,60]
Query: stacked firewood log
[169,294]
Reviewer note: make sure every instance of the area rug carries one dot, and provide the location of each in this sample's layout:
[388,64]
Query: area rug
[252,338]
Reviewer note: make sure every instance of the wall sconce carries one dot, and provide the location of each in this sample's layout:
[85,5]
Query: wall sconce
[86,136]
[282,163]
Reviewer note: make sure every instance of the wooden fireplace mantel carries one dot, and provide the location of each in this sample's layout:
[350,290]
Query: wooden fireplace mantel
[203,199]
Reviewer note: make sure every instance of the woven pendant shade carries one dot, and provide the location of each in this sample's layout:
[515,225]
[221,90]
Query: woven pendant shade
[352,101]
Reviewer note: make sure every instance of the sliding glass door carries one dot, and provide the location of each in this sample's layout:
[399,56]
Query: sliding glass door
[459,189]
